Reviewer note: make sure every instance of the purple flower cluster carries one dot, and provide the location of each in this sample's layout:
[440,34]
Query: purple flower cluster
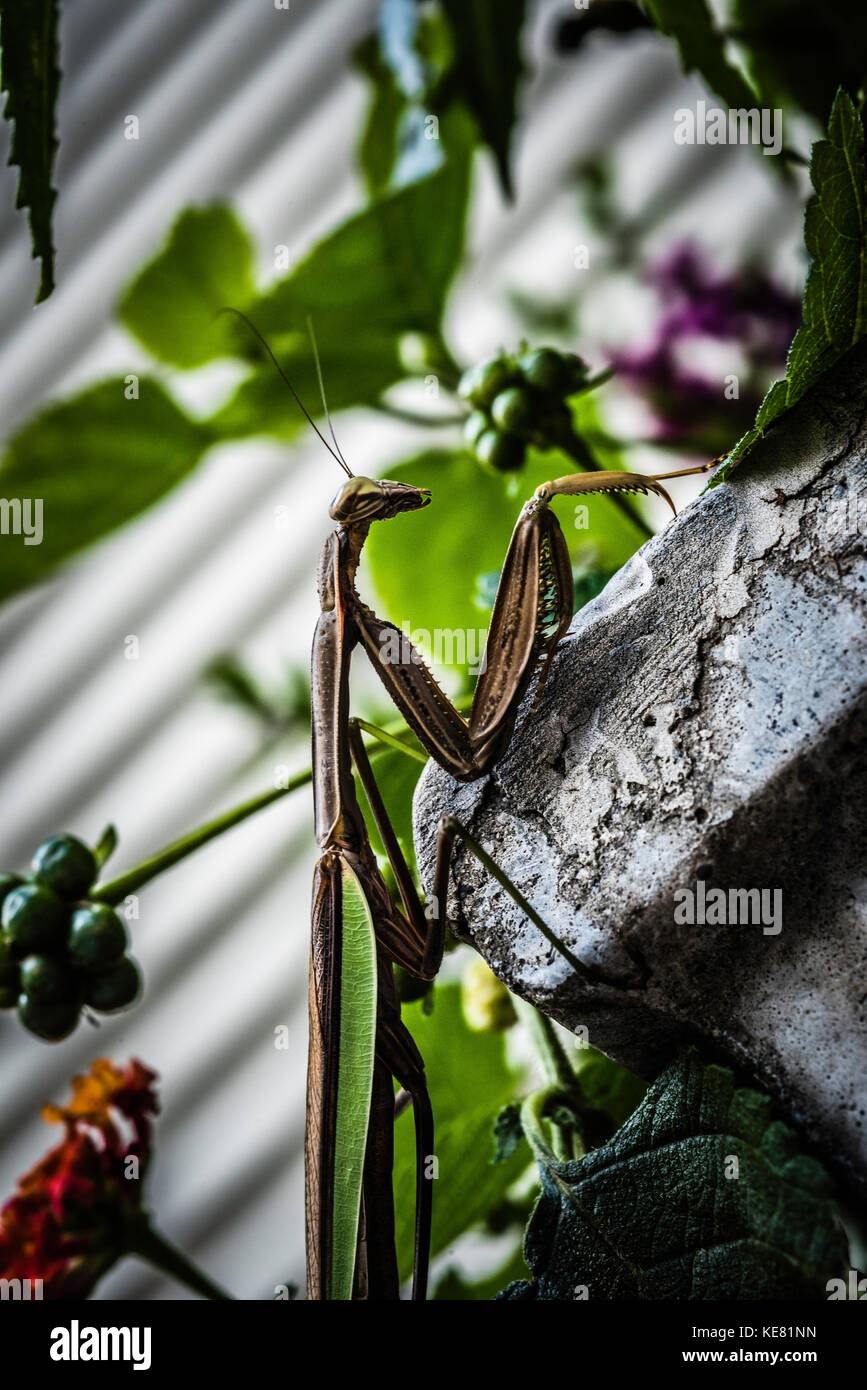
[745,309]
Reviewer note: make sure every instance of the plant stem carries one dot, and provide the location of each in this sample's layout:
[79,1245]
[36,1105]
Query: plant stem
[559,1085]
[383,736]
[593,381]
[147,1243]
[118,888]
[556,1066]
[566,1143]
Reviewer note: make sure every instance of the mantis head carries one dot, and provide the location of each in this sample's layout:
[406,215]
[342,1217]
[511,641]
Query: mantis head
[368,499]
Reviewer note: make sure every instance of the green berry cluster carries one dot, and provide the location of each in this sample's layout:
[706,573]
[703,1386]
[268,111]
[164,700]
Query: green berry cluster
[518,401]
[59,952]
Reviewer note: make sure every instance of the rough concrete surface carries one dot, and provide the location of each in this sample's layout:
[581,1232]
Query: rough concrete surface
[705,720]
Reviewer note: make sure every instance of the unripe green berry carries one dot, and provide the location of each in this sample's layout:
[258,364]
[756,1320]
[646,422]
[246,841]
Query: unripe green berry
[65,865]
[50,1022]
[577,369]
[9,981]
[475,426]
[97,936]
[505,452]
[546,370]
[115,987]
[480,384]
[512,410]
[8,882]
[46,979]
[34,920]
[8,959]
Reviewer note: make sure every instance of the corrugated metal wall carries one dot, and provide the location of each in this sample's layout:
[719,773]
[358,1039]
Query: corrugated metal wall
[238,100]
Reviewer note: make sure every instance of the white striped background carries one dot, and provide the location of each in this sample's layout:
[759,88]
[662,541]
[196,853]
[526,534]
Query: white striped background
[239,101]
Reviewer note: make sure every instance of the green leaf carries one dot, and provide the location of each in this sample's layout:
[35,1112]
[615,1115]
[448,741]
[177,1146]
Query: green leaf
[31,79]
[233,681]
[93,462]
[173,305]
[835,295]
[470,1080]
[377,149]
[382,274]
[406,61]
[488,68]
[105,846]
[400,28]
[396,259]
[660,1212]
[690,24]
[607,1086]
[426,565]
[835,233]
[357,1050]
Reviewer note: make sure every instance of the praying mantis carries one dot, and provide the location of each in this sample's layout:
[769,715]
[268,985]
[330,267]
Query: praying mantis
[356,927]
[358,1044]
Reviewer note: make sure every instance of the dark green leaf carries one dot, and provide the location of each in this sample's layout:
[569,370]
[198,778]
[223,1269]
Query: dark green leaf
[835,295]
[507,1133]
[488,68]
[399,27]
[406,61]
[31,79]
[835,233]
[396,259]
[235,683]
[377,150]
[93,462]
[701,47]
[800,52]
[173,306]
[470,1080]
[661,1212]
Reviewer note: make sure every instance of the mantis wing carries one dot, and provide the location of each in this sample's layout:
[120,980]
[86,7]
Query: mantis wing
[343,997]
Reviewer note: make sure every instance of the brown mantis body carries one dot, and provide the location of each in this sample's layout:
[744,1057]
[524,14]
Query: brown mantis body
[532,611]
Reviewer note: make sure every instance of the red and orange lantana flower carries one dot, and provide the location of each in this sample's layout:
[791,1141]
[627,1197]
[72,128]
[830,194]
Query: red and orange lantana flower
[71,1216]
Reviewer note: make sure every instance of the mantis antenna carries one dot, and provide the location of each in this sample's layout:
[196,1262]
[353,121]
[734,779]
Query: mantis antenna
[322,392]
[338,457]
